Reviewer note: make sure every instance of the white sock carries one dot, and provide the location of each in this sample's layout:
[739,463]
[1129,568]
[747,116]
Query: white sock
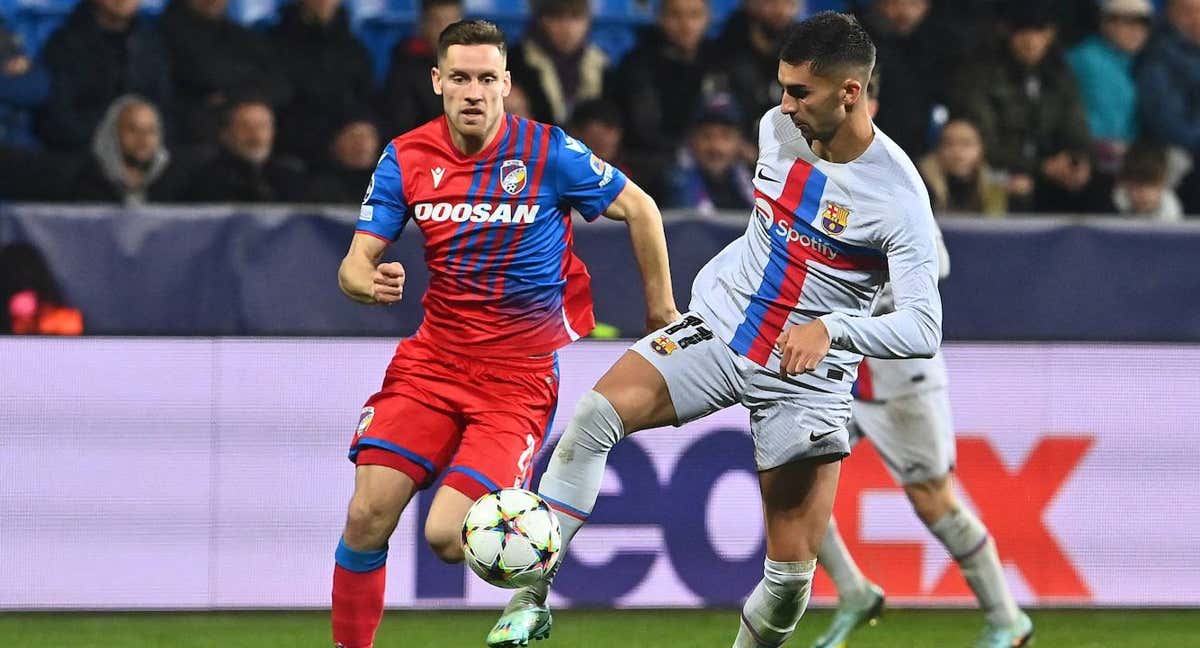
[775,606]
[840,565]
[571,482]
[968,541]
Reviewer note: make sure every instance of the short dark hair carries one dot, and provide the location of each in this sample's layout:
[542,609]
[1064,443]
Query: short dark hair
[1144,162]
[471,32]
[829,41]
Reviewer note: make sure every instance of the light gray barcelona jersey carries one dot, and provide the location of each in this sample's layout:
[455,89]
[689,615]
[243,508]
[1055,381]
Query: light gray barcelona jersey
[821,242]
[882,380]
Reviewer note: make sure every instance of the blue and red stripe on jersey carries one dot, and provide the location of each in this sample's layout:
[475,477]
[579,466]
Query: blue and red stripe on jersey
[497,287]
[787,264]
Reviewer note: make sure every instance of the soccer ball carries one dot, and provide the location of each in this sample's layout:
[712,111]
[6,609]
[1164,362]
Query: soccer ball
[511,538]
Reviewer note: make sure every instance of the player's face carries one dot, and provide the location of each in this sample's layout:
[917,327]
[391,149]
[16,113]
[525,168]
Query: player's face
[473,83]
[817,104]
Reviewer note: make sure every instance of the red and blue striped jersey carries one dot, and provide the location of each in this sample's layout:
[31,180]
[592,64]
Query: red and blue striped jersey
[504,280]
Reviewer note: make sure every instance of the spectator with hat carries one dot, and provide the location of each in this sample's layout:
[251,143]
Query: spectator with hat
[1103,66]
[709,174]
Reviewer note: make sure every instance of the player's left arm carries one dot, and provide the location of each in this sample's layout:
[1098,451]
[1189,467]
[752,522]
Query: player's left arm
[913,329]
[639,212]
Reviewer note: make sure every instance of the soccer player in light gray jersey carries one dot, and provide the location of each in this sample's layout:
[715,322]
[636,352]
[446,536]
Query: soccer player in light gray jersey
[903,407]
[780,320]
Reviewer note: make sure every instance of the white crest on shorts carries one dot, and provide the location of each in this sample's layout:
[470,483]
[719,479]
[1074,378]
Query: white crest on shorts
[364,420]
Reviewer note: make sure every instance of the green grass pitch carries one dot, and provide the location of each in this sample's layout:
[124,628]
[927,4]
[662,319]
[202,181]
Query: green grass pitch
[581,629]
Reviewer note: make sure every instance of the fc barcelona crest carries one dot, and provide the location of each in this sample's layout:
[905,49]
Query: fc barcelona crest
[513,176]
[834,217]
[663,345]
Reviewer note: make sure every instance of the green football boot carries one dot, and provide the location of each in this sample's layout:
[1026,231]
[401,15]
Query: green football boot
[851,616]
[521,625]
[1013,636]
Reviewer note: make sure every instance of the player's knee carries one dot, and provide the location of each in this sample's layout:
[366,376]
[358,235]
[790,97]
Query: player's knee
[595,425]
[369,521]
[932,499]
[445,542]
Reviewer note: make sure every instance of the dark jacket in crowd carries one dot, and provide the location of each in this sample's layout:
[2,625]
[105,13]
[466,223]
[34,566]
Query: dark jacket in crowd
[652,86]
[227,178]
[1024,116]
[213,61]
[330,73]
[92,184]
[90,68]
[408,99]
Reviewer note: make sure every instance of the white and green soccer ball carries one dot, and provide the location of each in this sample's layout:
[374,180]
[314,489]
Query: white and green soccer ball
[511,538]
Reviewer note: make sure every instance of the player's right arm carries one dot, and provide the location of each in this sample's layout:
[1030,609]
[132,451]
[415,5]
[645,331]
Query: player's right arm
[364,279]
[381,218]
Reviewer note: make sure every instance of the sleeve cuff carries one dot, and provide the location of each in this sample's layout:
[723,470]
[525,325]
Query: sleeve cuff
[837,329]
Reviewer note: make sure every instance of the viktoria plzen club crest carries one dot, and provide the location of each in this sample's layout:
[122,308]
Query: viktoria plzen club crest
[834,217]
[513,176]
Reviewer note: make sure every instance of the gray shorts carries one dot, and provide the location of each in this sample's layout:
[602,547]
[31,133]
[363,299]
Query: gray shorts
[914,434]
[788,420]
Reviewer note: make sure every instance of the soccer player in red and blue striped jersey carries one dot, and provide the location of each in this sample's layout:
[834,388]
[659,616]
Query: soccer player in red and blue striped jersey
[472,394]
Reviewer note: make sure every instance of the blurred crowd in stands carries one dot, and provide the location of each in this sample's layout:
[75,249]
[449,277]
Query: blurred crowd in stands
[1006,106]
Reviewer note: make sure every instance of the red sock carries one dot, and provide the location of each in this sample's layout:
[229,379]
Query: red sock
[357,598]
